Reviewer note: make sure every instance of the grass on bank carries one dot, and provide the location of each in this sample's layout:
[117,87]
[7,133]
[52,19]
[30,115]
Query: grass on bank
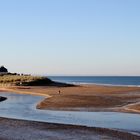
[29,80]
[24,80]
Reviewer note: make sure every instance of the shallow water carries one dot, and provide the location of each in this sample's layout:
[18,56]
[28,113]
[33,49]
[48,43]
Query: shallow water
[22,106]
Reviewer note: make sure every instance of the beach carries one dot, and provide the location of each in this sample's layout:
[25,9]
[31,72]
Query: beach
[85,97]
[78,98]
[12,129]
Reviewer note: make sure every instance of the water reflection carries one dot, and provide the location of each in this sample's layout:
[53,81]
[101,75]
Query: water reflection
[22,106]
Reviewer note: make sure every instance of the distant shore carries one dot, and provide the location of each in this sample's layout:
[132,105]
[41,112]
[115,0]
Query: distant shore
[84,97]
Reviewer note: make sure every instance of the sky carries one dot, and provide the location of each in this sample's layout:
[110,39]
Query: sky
[70,37]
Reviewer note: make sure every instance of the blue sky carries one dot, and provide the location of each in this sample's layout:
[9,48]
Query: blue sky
[70,37]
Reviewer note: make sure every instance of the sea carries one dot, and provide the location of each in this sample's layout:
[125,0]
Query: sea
[133,81]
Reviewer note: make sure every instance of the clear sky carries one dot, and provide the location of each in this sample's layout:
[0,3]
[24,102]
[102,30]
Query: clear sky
[70,37]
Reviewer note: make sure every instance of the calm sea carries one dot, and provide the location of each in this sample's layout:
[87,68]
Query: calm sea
[100,80]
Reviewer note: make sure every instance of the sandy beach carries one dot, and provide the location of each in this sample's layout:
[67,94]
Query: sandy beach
[85,97]
[12,129]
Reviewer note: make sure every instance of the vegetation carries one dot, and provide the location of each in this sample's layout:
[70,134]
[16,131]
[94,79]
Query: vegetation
[24,80]
[3,69]
[13,79]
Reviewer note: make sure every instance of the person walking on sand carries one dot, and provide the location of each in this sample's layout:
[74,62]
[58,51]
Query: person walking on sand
[59,91]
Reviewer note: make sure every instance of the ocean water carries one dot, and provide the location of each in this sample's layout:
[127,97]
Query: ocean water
[100,80]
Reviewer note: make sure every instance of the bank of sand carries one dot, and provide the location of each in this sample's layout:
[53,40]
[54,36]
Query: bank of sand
[86,97]
[11,129]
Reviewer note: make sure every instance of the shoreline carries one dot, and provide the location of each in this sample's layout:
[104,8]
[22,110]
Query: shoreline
[97,84]
[54,131]
[96,133]
[2,99]
[52,97]
[17,90]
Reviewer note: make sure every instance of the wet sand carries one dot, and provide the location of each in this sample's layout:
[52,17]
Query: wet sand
[86,97]
[11,129]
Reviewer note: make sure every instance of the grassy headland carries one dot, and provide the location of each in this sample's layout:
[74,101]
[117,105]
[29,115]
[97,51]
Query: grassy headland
[28,80]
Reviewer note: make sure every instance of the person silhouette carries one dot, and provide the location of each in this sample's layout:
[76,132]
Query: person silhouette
[59,91]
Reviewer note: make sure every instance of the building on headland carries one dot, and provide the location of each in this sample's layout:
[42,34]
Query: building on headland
[3,70]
